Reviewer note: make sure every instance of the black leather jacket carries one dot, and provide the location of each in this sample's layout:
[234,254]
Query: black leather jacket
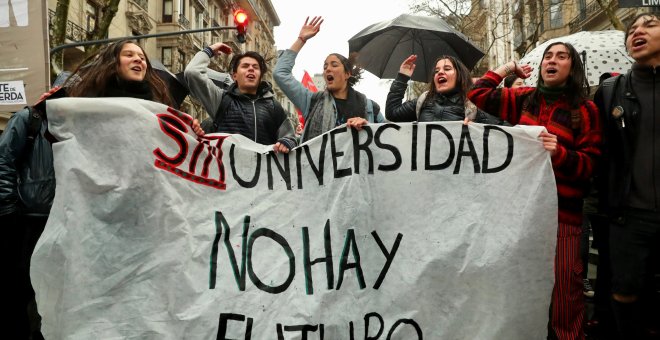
[27,177]
[443,108]
[614,176]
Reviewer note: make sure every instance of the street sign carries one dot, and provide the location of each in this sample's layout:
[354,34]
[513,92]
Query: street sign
[638,3]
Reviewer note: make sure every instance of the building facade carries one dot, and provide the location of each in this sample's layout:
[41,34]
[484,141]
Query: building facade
[141,17]
[515,27]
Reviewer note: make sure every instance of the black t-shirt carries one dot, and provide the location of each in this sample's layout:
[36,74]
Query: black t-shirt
[344,111]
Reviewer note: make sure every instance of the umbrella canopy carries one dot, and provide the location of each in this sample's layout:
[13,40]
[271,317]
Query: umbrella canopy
[383,46]
[601,51]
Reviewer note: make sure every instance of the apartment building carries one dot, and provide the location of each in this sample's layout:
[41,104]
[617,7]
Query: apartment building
[508,29]
[140,17]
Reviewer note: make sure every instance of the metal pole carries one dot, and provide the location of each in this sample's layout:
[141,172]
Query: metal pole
[137,37]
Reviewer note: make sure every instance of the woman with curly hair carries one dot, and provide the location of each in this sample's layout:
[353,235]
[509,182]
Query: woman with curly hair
[339,103]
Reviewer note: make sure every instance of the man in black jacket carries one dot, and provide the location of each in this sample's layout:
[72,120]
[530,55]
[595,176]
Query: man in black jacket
[248,107]
[629,179]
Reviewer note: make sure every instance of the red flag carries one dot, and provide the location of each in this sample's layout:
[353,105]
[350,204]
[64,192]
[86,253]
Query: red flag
[308,83]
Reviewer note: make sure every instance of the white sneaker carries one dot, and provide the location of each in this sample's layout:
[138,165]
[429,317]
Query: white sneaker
[587,289]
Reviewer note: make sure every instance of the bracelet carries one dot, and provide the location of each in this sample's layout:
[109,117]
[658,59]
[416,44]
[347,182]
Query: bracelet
[302,39]
[507,69]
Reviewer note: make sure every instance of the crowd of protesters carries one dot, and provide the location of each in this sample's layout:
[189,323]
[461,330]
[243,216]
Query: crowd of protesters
[609,142]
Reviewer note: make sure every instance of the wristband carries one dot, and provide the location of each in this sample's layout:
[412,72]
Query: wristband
[208,51]
[302,39]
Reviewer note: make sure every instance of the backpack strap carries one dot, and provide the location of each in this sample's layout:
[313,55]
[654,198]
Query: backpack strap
[609,87]
[370,111]
[222,111]
[315,98]
[35,119]
[420,102]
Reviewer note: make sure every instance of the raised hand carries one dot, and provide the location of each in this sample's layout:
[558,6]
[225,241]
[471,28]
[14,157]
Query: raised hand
[310,28]
[219,47]
[523,71]
[408,65]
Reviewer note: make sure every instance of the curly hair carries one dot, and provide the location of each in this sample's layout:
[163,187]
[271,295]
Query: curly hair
[90,79]
[351,67]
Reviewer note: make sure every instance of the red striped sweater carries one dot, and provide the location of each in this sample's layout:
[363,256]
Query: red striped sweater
[578,133]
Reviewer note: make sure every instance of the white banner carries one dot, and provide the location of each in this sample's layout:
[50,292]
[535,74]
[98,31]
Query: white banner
[400,231]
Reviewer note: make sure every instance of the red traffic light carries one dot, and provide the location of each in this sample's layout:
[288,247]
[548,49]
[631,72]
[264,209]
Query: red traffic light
[241,22]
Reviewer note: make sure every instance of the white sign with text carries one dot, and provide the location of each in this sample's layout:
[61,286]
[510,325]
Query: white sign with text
[398,231]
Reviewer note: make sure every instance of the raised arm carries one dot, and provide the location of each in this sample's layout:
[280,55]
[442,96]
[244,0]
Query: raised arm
[199,84]
[299,95]
[503,102]
[395,109]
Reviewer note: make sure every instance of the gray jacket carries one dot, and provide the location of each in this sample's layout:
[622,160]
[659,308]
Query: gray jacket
[260,118]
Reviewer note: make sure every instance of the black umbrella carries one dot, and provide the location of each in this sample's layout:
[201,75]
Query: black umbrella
[175,84]
[383,46]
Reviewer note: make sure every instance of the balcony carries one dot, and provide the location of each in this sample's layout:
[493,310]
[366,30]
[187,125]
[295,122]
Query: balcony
[517,39]
[73,33]
[202,4]
[592,10]
[531,30]
[183,21]
[144,4]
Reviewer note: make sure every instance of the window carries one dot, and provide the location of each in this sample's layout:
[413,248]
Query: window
[166,57]
[182,7]
[91,15]
[582,9]
[555,14]
[181,60]
[167,10]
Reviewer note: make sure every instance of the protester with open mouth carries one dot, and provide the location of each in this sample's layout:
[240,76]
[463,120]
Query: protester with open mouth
[559,103]
[339,103]
[248,106]
[628,183]
[445,99]
[27,179]
[121,69]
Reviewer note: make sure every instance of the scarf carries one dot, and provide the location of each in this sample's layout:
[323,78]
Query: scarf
[551,94]
[128,88]
[322,115]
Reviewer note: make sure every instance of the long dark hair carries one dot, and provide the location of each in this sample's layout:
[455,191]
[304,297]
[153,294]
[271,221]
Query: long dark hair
[351,67]
[577,85]
[91,77]
[463,79]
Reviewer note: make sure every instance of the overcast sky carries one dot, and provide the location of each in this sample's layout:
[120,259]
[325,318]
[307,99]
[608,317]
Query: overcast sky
[342,20]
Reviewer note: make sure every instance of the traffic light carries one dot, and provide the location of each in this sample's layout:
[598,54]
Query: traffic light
[241,22]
